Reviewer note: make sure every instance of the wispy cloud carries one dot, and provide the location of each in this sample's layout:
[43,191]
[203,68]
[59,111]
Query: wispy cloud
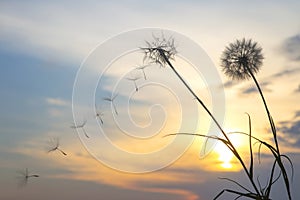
[291,47]
[297,114]
[290,130]
[267,81]
[229,84]
[253,89]
[57,102]
[297,90]
[285,72]
[28,29]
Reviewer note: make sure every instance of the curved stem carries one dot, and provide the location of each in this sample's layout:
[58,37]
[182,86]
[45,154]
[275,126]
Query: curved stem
[273,128]
[267,109]
[233,149]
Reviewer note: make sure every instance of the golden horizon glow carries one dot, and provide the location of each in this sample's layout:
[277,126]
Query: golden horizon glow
[225,156]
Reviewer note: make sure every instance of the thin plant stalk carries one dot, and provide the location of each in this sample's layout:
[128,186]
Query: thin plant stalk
[241,60]
[267,109]
[250,147]
[230,145]
[235,64]
[273,128]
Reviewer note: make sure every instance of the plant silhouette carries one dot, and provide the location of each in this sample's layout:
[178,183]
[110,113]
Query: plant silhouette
[240,60]
[53,145]
[24,177]
[75,126]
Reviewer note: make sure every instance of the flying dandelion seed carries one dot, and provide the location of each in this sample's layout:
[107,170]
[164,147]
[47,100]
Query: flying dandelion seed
[111,99]
[80,126]
[24,177]
[134,79]
[99,114]
[142,68]
[53,145]
[241,58]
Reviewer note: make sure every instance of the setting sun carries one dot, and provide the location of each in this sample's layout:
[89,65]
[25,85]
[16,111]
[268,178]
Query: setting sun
[224,155]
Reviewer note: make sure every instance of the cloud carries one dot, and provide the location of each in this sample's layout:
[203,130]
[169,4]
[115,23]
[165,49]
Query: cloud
[285,72]
[26,28]
[57,102]
[297,114]
[268,80]
[291,47]
[290,131]
[253,89]
[298,89]
[228,84]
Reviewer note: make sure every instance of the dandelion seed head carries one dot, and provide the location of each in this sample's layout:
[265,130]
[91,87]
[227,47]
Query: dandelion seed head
[241,56]
[160,49]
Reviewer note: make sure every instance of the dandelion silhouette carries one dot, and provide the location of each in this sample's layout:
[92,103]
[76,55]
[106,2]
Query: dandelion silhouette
[134,79]
[99,114]
[53,145]
[25,176]
[111,99]
[142,68]
[80,126]
[160,51]
[240,60]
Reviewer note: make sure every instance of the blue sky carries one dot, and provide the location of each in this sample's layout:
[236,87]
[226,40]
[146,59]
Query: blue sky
[43,44]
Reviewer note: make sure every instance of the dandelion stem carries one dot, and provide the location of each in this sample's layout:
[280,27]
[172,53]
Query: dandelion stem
[231,146]
[267,109]
[273,128]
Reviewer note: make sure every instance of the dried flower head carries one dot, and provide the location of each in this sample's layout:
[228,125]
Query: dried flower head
[160,50]
[241,58]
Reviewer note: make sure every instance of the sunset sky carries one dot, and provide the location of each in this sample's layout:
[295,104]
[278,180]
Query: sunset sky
[52,51]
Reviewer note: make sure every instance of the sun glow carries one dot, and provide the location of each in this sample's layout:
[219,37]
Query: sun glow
[225,156]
